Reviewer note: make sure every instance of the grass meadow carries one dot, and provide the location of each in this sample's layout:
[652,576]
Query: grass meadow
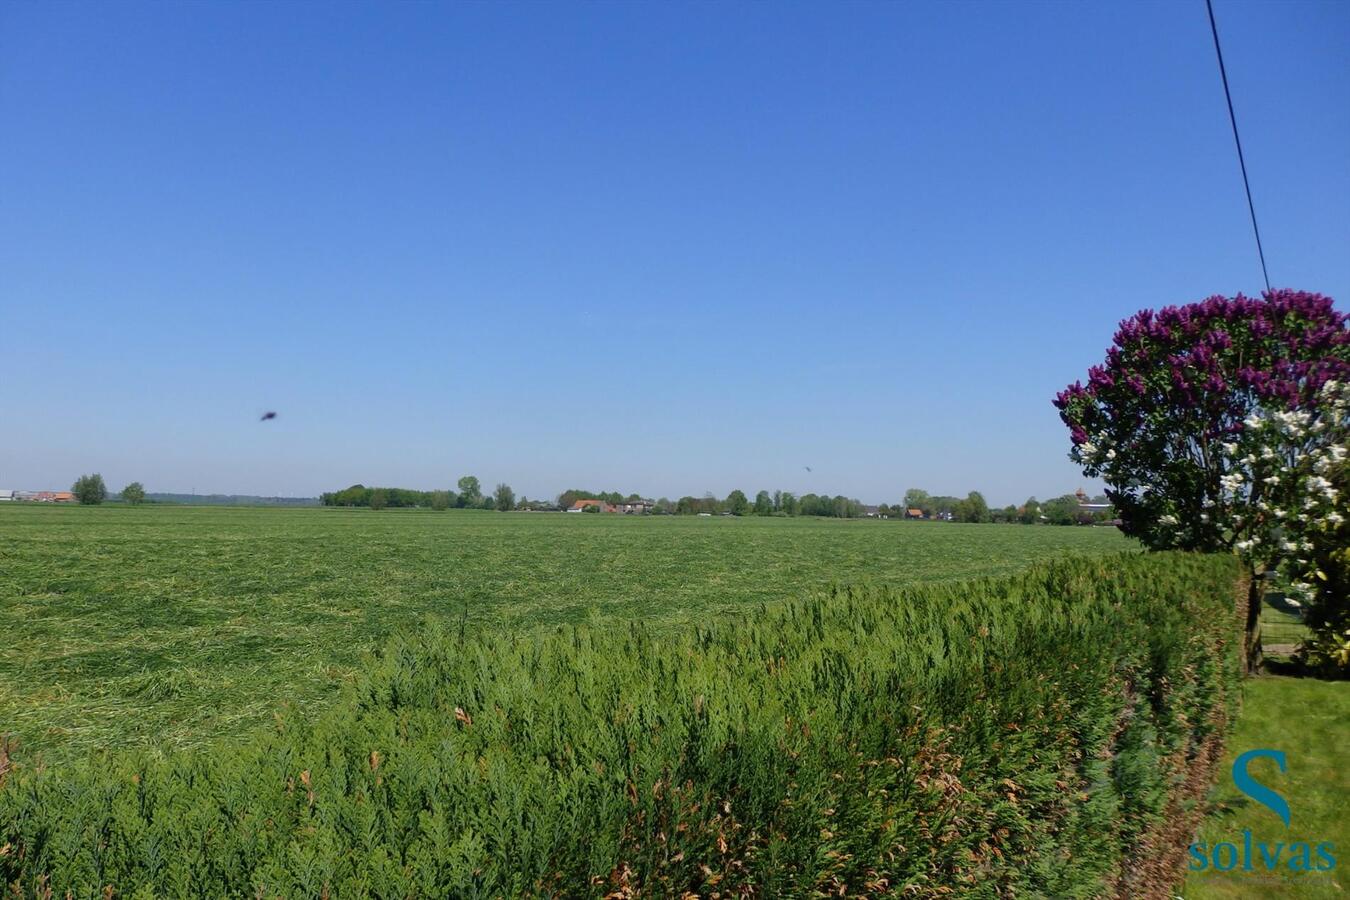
[179,626]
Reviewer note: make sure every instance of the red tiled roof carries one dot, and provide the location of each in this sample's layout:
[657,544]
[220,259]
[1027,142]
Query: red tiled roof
[582,504]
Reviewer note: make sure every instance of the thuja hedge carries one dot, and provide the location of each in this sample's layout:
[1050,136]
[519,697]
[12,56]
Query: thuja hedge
[1030,736]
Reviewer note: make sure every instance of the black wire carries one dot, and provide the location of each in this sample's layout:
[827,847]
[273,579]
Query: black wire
[1232,117]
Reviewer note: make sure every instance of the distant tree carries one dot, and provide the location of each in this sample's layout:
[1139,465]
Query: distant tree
[763,504]
[917,498]
[591,508]
[1030,513]
[663,507]
[941,506]
[470,492]
[134,493]
[737,504]
[356,495]
[90,489]
[379,498]
[972,509]
[505,497]
[1061,510]
[440,499]
[572,495]
[788,504]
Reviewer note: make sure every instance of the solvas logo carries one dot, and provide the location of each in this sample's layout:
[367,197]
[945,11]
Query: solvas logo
[1250,854]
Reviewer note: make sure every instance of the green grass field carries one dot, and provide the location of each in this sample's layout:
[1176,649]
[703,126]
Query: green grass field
[1310,721]
[176,626]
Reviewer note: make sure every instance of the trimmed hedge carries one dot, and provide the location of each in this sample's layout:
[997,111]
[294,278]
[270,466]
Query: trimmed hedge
[1027,736]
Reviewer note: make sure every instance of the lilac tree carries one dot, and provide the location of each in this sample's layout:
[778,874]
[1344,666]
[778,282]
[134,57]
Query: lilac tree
[1209,422]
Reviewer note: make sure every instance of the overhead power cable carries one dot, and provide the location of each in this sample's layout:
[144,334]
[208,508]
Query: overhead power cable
[1232,117]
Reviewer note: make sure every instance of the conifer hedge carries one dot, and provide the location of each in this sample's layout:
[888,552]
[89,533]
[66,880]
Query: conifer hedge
[1028,736]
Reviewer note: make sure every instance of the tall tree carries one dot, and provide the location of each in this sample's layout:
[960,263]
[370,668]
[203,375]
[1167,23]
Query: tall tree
[134,493]
[737,504]
[90,489]
[470,492]
[763,504]
[1206,419]
[505,498]
[379,498]
[917,498]
[973,508]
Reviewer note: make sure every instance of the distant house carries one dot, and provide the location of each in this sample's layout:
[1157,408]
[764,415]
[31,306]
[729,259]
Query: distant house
[47,496]
[913,513]
[873,512]
[581,505]
[1085,505]
[6,495]
[636,506]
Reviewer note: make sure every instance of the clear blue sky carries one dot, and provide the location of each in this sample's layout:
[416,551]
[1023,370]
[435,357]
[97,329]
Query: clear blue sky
[670,248]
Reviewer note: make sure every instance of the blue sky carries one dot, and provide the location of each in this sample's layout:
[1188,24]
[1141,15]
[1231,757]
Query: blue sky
[669,248]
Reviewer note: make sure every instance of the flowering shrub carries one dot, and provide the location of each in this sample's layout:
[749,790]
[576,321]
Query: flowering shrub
[1215,426]
[1323,576]
[1279,491]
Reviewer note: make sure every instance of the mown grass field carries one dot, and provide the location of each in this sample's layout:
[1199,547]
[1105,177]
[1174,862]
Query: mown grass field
[178,626]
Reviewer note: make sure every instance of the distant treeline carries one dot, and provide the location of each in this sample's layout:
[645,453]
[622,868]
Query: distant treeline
[778,503]
[1065,510]
[227,500]
[469,496]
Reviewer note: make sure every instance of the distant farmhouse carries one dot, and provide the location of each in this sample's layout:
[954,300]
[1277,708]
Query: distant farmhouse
[38,496]
[580,506]
[635,506]
[1086,506]
[54,497]
[913,513]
